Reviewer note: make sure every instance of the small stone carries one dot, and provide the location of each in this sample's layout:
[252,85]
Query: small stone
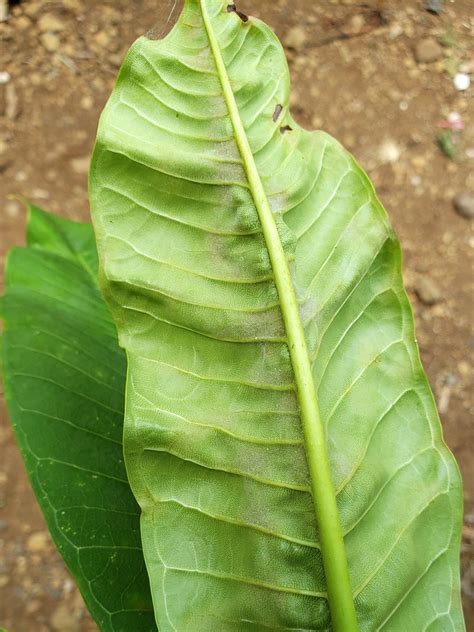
[464,204]
[22,23]
[419,162]
[295,38]
[63,620]
[4,77]
[464,368]
[3,10]
[33,606]
[461,81]
[357,24]
[33,7]
[81,165]
[395,31]
[38,542]
[389,152]
[50,41]
[12,103]
[87,102]
[427,291]
[427,51]
[36,79]
[49,23]
[102,39]
[72,5]
[12,209]
[40,194]
[434,6]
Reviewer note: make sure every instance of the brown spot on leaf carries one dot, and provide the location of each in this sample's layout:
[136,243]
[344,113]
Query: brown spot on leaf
[231,8]
[285,128]
[277,112]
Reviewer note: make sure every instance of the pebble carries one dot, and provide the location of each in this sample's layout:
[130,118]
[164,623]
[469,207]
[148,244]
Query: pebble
[33,7]
[22,23]
[63,620]
[464,204]
[427,291]
[295,38]
[389,152]
[464,368]
[461,81]
[427,51]
[33,606]
[102,39]
[395,31]
[50,23]
[356,24]
[3,10]
[81,165]
[72,5]
[12,103]
[4,77]
[41,194]
[50,41]
[38,542]
[434,6]
[87,102]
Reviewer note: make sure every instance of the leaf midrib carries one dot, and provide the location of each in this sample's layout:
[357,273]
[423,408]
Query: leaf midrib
[340,595]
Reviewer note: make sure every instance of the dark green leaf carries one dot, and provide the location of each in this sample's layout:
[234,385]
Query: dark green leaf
[64,384]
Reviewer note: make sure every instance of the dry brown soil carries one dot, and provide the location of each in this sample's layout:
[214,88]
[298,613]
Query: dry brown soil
[354,75]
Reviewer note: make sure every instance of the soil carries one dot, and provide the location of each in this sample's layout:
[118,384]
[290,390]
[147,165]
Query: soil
[361,71]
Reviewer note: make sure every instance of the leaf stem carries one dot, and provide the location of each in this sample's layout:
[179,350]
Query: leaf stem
[340,595]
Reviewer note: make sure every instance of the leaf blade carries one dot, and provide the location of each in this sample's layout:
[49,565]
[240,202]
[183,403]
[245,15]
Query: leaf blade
[64,382]
[188,195]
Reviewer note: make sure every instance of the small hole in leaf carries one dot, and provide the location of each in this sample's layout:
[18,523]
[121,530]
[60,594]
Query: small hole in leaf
[277,112]
[285,128]
[231,8]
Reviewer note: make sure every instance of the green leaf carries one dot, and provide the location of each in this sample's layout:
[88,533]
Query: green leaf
[279,427]
[64,386]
